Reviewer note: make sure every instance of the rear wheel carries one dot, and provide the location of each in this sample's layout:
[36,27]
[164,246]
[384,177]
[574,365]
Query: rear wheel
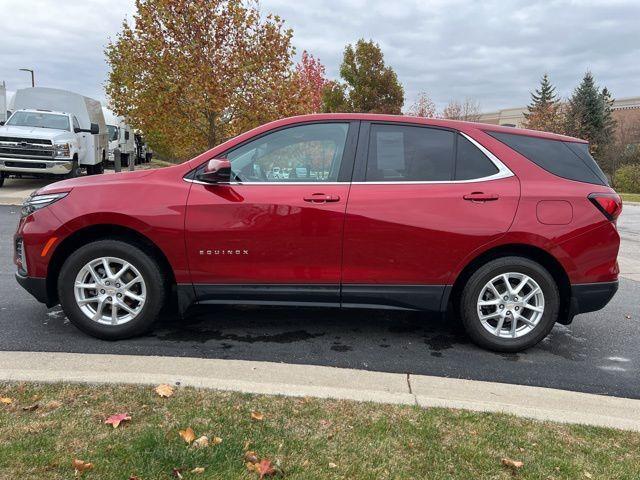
[509,304]
[2,177]
[111,289]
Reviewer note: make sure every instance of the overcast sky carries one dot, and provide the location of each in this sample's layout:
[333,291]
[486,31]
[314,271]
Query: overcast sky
[493,51]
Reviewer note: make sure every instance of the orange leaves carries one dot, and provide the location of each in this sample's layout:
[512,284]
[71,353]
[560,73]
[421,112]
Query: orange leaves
[262,467]
[6,400]
[188,435]
[80,466]
[164,390]
[257,416]
[117,419]
[514,464]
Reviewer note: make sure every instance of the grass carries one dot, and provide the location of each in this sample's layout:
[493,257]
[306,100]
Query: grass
[306,438]
[157,163]
[630,197]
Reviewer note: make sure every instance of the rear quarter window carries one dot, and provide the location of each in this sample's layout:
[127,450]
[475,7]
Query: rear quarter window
[570,160]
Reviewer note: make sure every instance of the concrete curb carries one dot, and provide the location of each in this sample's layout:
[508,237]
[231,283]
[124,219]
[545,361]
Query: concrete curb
[324,382]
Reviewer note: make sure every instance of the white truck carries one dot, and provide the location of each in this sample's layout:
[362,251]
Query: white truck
[52,133]
[121,137]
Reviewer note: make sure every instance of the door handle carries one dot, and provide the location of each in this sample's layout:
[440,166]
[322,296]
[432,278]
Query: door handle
[321,198]
[480,197]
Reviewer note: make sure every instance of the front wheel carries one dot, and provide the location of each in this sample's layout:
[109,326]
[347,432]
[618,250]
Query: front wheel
[509,304]
[1,179]
[111,289]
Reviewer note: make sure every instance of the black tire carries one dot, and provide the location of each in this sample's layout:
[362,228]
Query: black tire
[1,179]
[156,289]
[96,169]
[75,170]
[124,159]
[474,286]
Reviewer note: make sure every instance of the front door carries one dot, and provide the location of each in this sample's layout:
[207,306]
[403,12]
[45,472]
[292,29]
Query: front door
[426,199]
[275,233]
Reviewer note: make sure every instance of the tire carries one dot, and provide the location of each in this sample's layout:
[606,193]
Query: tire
[75,170]
[96,169]
[537,325]
[154,292]
[1,179]
[124,160]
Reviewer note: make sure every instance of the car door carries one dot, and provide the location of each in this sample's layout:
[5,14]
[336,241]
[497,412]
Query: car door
[423,199]
[82,141]
[274,234]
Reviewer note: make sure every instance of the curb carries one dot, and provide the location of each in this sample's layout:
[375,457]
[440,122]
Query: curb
[324,382]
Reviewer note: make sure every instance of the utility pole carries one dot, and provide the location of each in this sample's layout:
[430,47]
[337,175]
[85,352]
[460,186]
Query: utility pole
[33,80]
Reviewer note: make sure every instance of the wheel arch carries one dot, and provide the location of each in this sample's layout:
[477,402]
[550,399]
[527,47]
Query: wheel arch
[101,232]
[536,254]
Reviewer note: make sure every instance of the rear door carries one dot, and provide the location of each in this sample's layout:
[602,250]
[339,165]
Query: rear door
[423,199]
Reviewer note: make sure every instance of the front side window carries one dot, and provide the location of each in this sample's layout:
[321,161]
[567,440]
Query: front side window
[113,132]
[76,125]
[40,120]
[408,153]
[305,153]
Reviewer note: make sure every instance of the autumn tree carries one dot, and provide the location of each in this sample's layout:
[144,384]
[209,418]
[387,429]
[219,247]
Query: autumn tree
[467,110]
[311,81]
[369,85]
[192,73]
[545,111]
[423,107]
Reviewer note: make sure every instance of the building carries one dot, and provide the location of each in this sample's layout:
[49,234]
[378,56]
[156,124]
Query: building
[626,112]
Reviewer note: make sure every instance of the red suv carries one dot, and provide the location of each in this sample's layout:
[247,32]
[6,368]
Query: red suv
[512,229]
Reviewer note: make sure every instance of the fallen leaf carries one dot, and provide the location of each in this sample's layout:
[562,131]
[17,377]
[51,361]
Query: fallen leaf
[80,466]
[588,475]
[6,400]
[250,457]
[265,469]
[187,435]
[176,473]
[134,477]
[258,416]
[198,470]
[31,408]
[216,440]
[117,419]
[52,405]
[252,467]
[164,390]
[332,465]
[507,462]
[200,442]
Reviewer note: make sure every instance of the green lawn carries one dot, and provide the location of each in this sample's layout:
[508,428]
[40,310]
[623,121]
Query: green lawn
[630,197]
[303,438]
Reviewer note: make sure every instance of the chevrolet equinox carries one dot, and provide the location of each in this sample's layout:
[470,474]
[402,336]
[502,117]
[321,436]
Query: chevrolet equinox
[512,230]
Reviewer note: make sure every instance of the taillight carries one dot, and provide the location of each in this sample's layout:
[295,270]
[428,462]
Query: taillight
[609,204]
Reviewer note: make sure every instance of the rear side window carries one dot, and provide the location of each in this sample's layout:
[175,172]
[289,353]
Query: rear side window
[570,160]
[406,153]
[471,163]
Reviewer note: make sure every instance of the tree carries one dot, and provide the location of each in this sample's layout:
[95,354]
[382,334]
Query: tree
[191,74]
[369,85]
[423,107]
[545,110]
[589,115]
[468,110]
[311,80]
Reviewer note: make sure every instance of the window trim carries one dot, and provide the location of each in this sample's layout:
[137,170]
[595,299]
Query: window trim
[345,173]
[362,158]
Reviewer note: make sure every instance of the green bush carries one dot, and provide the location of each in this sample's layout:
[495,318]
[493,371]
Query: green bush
[627,179]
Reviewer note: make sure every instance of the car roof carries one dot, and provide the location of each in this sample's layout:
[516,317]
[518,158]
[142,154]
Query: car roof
[455,124]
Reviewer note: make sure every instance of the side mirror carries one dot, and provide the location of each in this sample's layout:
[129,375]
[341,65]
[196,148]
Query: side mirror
[216,171]
[95,129]
[1,124]
[77,130]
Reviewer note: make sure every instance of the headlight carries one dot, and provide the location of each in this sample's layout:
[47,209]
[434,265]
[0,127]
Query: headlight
[36,202]
[62,150]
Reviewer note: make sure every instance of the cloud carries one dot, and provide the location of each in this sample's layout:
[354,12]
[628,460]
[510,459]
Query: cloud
[493,51]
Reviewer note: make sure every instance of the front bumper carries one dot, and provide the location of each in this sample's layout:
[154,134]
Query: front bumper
[35,166]
[36,287]
[589,297]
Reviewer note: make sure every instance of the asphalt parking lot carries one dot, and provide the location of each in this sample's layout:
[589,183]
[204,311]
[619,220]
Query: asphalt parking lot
[598,353]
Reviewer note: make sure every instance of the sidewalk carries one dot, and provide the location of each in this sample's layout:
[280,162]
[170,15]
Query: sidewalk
[324,382]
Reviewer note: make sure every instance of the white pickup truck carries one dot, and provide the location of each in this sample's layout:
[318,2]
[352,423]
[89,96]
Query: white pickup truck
[52,133]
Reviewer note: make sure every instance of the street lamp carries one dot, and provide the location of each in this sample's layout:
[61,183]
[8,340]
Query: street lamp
[33,81]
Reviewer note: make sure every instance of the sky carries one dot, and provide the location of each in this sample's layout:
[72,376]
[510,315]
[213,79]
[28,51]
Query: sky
[493,51]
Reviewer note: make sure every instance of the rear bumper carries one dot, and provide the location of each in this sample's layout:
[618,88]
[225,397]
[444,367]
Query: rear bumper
[589,297]
[36,287]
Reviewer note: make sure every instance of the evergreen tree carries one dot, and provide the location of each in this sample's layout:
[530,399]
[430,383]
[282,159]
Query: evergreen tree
[586,114]
[545,110]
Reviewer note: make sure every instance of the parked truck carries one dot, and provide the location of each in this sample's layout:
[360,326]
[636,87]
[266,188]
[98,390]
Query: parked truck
[52,133]
[121,138]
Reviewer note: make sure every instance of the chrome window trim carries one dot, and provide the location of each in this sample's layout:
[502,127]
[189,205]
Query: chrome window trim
[503,172]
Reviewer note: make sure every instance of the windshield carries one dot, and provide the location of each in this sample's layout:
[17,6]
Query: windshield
[113,132]
[40,120]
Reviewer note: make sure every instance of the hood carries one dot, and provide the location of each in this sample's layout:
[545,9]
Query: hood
[94,181]
[35,132]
